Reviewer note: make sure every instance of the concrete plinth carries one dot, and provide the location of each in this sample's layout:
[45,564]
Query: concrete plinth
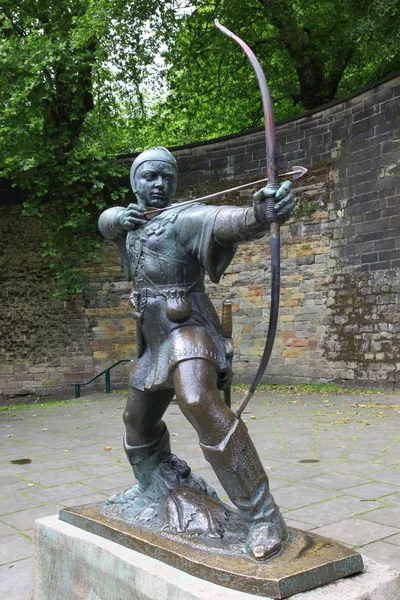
[73,564]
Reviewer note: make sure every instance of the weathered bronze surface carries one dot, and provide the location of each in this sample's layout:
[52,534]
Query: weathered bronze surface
[183,349]
[305,562]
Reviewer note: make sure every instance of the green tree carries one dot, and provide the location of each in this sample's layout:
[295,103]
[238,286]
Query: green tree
[69,72]
[312,51]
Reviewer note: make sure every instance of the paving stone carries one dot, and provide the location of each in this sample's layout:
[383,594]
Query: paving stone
[7,480]
[110,481]
[390,476]
[14,547]
[298,524]
[335,481]
[392,499]
[57,477]
[104,469]
[14,503]
[299,495]
[362,455]
[354,468]
[330,511]
[6,530]
[384,552]
[269,464]
[356,532]
[394,539]
[25,519]
[374,490]
[276,483]
[94,459]
[296,472]
[87,499]
[16,580]
[50,465]
[61,493]
[388,515]
[11,488]
[10,470]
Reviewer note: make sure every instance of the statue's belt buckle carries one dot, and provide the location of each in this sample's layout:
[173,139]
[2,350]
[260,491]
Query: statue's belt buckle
[174,292]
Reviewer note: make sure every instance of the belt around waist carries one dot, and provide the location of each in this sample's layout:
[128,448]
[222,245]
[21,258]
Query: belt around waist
[170,290]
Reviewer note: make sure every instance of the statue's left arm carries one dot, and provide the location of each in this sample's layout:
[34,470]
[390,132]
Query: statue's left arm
[235,225]
[116,221]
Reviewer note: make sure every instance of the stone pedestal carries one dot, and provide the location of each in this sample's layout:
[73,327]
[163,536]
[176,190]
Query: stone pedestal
[73,564]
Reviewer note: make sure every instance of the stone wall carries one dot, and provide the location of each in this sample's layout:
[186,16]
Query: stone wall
[340,295]
[47,344]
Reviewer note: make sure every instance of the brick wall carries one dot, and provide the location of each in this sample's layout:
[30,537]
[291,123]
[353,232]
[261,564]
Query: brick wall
[340,295]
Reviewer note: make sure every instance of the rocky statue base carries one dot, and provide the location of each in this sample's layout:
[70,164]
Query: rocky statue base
[211,547]
[178,501]
[73,564]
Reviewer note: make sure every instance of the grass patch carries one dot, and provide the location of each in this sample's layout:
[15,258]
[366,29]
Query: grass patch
[305,389]
[23,405]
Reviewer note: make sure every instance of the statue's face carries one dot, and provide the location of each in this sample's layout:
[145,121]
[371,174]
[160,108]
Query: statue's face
[155,184]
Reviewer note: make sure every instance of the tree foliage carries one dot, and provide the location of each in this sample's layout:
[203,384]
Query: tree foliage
[69,71]
[312,51]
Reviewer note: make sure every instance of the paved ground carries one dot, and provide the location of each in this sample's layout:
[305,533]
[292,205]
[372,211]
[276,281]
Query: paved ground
[333,461]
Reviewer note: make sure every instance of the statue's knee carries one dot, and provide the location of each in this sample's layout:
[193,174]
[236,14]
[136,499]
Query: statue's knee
[127,417]
[191,402]
[132,418]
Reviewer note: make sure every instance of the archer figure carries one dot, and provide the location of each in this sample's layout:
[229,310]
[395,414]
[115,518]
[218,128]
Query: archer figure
[182,350]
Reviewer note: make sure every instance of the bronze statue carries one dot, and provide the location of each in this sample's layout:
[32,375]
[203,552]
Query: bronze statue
[181,349]
[172,514]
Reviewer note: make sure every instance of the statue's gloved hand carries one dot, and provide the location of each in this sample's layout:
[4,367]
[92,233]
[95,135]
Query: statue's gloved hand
[271,205]
[132,217]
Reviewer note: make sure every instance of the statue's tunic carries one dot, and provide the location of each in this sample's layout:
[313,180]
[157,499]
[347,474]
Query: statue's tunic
[167,260]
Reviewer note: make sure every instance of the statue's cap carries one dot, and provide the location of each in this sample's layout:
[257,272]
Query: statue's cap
[157,153]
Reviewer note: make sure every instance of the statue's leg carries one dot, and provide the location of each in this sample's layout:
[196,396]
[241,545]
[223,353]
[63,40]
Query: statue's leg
[143,416]
[146,439]
[227,446]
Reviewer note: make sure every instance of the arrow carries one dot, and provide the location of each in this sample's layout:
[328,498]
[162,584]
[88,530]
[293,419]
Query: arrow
[296,174]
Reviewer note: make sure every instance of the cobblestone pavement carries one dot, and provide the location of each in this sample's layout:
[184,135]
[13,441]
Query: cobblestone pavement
[333,462]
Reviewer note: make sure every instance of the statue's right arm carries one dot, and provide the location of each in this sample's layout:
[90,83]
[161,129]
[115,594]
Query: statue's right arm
[115,222]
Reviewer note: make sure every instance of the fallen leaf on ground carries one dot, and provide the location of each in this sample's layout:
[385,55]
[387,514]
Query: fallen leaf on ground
[107,448]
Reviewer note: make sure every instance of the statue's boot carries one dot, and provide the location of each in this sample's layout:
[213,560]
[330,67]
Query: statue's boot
[145,459]
[239,469]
